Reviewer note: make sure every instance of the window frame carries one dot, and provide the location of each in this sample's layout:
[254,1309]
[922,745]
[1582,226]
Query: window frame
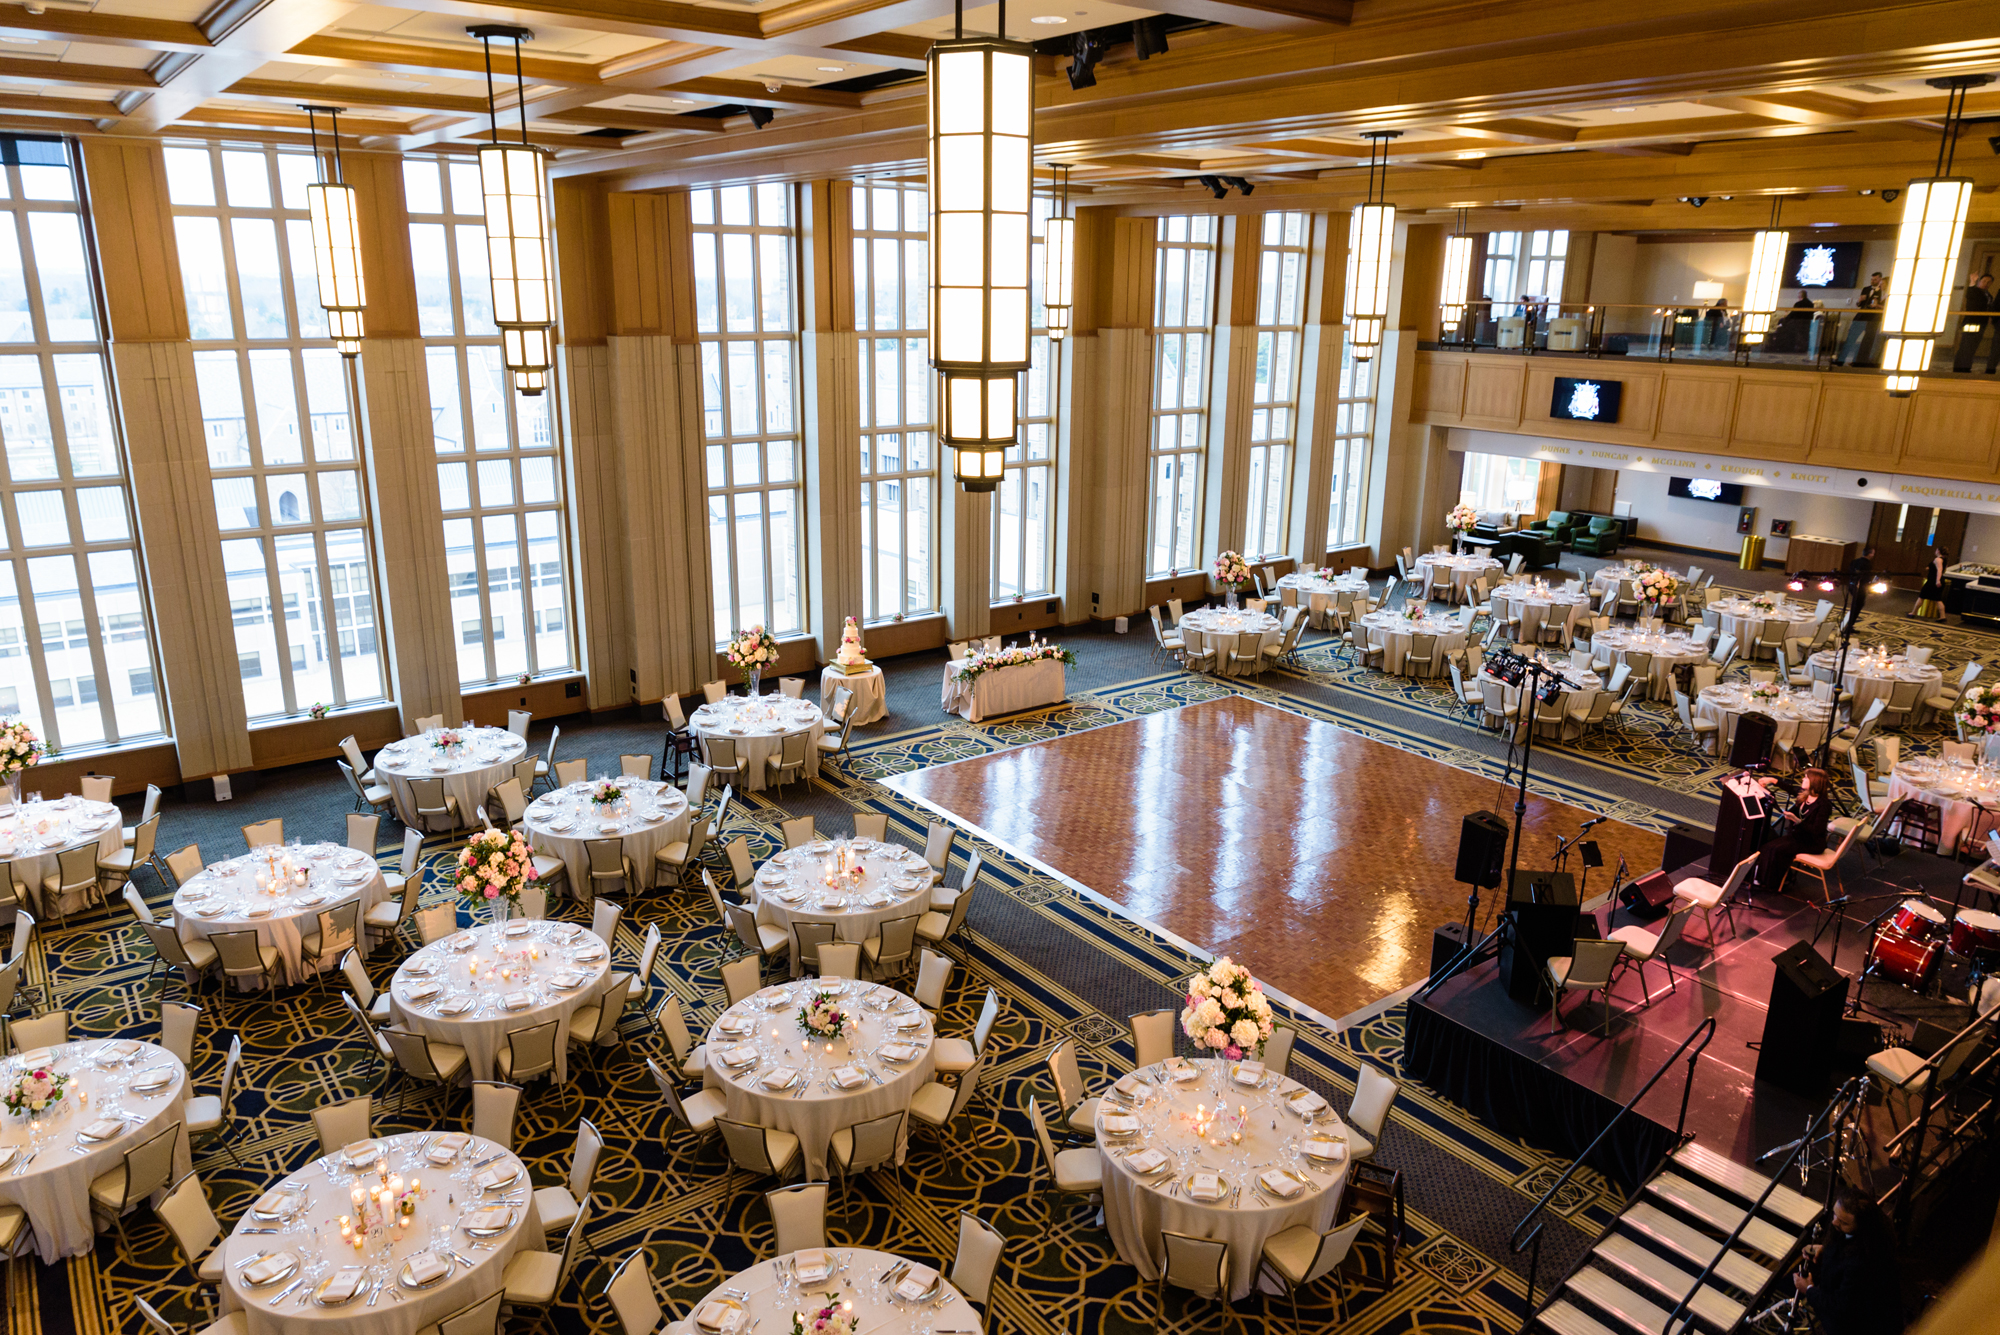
[1352,443]
[1017,466]
[1185,498]
[1273,437]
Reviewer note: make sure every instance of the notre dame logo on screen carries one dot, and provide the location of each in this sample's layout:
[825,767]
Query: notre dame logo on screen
[1577,400]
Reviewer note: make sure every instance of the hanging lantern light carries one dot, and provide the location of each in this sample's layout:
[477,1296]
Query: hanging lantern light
[1767,272]
[336,236]
[514,179]
[1934,211]
[981,189]
[1370,241]
[1457,279]
[1059,263]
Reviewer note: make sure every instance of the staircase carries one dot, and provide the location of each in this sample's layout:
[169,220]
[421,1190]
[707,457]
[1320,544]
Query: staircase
[1651,1256]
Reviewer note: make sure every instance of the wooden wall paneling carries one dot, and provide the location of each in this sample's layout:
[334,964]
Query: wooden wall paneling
[126,196]
[584,260]
[1954,435]
[1774,417]
[1437,389]
[1232,372]
[965,541]
[1423,271]
[1859,425]
[377,179]
[1493,391]
[1695,410]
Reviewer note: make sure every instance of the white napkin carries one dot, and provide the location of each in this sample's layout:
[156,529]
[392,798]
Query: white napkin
[424,1267]
[1205,1187]
[722,1316]
[737,1024]
[1249,1073]
[913,1020]
[1305,1101]
[446,1147]
[7,1153]
[499,1175]
[342,1285]
[256,910]
[1329,1148]
[456,1006]
[589,953]
[463,941]
[1182,1070]
[492,1217]
[278,1200]
[360,1152]
[422,991]
[780,1077]
[104,1128]
[1127,1084]
[516,1001]
[917,1282]
[570,978]
[119,1050]
[38,1059]
[1281,1185]
[1120,1124]
[847,1077]
[1146,1161]
[812,1265]
[741,1055]
[900,1052]
[262,1272]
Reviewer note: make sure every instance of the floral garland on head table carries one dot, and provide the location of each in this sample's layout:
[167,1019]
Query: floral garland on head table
[974,667]
[753,650]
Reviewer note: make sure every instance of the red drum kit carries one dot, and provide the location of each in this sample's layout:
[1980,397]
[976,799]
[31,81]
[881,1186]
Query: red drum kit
[1914,935]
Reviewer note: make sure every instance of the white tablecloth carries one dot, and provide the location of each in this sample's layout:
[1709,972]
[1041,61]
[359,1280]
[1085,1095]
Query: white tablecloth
[870,700]
[1536,606]
[1672,648]
[1138,1209]
[216,900]
[759,727]
[1319,595]
[1958,791]
[1802,720]
[897,875]
[875,1311]
[813,1107]
[443,1201]
[1004,690]
[55,1189]
[561,823]
[482,1031]
[1218,627]
[36,834]
[1396,633]
[1464,570]
[1873,676]
[485,757]
[1736,616]
[1576,702]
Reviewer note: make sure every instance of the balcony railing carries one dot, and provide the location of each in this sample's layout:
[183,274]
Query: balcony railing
[1798,337]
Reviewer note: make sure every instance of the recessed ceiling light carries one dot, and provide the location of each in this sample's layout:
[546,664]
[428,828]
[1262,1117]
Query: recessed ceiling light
[831,69]
[1473,153]
[22,41]
[1624,110]
[1048,19]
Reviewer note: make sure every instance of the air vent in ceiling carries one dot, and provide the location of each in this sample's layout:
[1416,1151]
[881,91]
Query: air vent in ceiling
[1551,116]
[1868,88]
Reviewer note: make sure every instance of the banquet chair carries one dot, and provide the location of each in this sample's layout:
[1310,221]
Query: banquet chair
[1966,751]
[1493,711]
[343,1123]
[1864,793]
[871,825]
[714,691]
[991,644]
[1278,1049]
[697,1112]
[634,1300]
[124,864]
[635,767]
[937,1105]
[935,928]
[479,1317]
[1705,676]
[681,855]
[933,976]
[604,918]
[389,917]
[1919,655]
[186,1213]
[840,959]
[96,787]
[640,980]
[1078,1112]
[193,958]
[1553,714]
[1642,946]
[1166,644]
[40,1031]
[1586,969]
[891,949]
[1761,676]
[1946,699]
[1590,717]
[1847,742]
[537,1279]
[428,799]
[419,1059]
[1257,604]
[376,1004]
[1723,654]
[1469,697]
[372,795]
[264,832]
[361,832]
[977,1258]
[595,1027]
[1199,652]
[518,720]
[942,899]
[184,864]
[141,911]
[765,1151]
[1302,1255]
[608,867]
[380,1046]
[955,1056]
[722,758]
[1699,637]
[435,924]
[938,840]
[430,723]
[144,1169]
[1153,1036]
[836,743]
[1422,656]
[1439,589]
[1706,732]
[762,940]
[568,772]
[1077,1172]
[243,956]
[688,1060]
[741,868]
[236,1323]
[789,764]
[798,831]
[865,1145]
[792,688]
[178,1021]
[545,764]
[338,929]
[1790,675]
[559,1206]
[75,874]
[696,787]
[352,750]
[494,1107]
[807,938]
[1198,1265]
[958,650]
[1368,1112]
[798,1216]
[1904,698]
[529,1055]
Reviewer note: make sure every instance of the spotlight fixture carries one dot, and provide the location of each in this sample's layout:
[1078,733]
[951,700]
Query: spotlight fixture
[1864,192]
[762,116]
[1059,263]
[336,237]
[1696,200]
[1149,36]
[1827,586]
[1927,244]
[1796,585]
[514,178]
[1214,186]
[1994,143]
[1241,186]
[1878,586]
[1370,240]
[1085,51]
[1767,270]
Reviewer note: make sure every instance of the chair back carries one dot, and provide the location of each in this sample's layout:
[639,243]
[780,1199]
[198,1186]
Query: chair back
[1918,654]
[937,844]
[1153,1036]
[185,864]
[1278,1048]
[357,978]
[430,722]
[352,750]
[1972,669]
[1042,1137]
[635,767]
[968,1085]
[604,918]
[933,973]
[871,825]
[96,787]
[740,865]
[792,688]
[361,830]
[1670,935]
[807,938]
[475,1318]
[187,1215]
[649,949]
[178,1021]
[697,785]
[1724,651]
[337,923]
[741,978]
[840,959]
[721,752]
[41,1031]
[674,1028]
[1334,1245]
[1373,1095]
[607,858]
[668,1092]
[572,1244]
[1705,676]
[436,923]
[78,867]
[240,956]
[899,938]
[568,772]
[610,1007]
[413,1053]
[798,1216]
[165,944]
[137,903]
[747,1147]
[524,771]
[494,1104]
[343,1123]
[24,928]
[712,691]
[513,800]
[532,1050]
[1591,963]
[799,831]
[1062,1069]
[149,1165]
[517,722]
[1966,751]
[264,832]
[979,1248]
[1199,1265]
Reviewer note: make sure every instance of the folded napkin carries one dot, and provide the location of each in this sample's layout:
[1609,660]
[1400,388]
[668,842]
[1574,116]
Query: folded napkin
[516,1001]
[104,1128]
[425,1267]
[517,929]
[37,1059]
[456,1006]
[1120,1124]
[119,1050]
[1249,1073]
[317,897]
[913,1020]
[879,899]
[590,952]
[1128,1085]
[264,1271]
[778,1000]
[278,1200]
[570,978]
[360,1152]
[499,1175]
[463,941]
[812,1264]
[780,1077]
[1326,1147]
[721,1316]
[741,1055]
[918,1281]
[737,1024]
[256,910]
[487,1220]
[1146,1161]
[422,991]
[1181,1069]
[1205,1186]
[833,901]
[1282,1185]
[153,1077]
[1305,1101]
[446,1147]
[900,1052]
[342,1285]
[421,967]
[847,1077]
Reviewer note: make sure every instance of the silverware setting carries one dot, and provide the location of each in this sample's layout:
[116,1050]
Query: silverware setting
[287,1290]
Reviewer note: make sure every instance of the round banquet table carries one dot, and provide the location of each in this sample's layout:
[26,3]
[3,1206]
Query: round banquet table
[561,823]
[1395,633]
[315,1197]
[226,897]
[1535,604]
[1319,593]
[55,1188]
[1957,790]
[1668,651]
[1736,616]
[1223,626]
[35,834]
[857,1277]
[1577,701]
[561,951]
[1802,720]
[871,700]
[1874,676]
[1138,1207]
[483,758]
[763,1029]
[1464,570]
[759,727]
[895,882]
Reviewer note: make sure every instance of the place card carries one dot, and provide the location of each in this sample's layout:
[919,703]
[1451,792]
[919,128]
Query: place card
[1120,1124]
[516,1001]
[920,1281]
[781,1077]
[340,1286]
[104,1128]
[1249,1073]
[270,1268]
[1146,1161]
[900,1052]
[424,1269]
[499,1175]
[1305,1101]
[812,1264]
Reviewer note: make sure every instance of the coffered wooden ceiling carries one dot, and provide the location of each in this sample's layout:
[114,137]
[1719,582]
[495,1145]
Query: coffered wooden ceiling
[1593,114]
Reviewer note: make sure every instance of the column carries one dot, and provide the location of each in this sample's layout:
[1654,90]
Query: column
[830,360]
[1408,507]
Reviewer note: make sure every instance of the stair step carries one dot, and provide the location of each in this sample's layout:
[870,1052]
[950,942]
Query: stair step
[1735,1269]
[1564,1319]
[1784,1202]
[1656,1272]
[1613,1298]
[1721,1215]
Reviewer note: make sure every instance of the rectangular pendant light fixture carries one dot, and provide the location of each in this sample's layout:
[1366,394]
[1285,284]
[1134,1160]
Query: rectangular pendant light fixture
[514,180]
[336,236]
[1934,211]
[1767,273]
[1370,241]
[1453,284]
[1059,264]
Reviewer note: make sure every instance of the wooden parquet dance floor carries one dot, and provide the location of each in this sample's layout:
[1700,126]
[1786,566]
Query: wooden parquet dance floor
[1319,859]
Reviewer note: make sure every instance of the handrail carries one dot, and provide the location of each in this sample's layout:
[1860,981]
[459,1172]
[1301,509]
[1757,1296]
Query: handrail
[1457,964]
[1516,1242]
[1905,1190]
[1851,1092]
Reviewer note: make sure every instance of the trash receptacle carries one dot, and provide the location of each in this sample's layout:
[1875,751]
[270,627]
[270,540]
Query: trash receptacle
[1752,555]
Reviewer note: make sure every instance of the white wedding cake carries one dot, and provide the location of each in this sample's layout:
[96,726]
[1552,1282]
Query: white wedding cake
[849,657]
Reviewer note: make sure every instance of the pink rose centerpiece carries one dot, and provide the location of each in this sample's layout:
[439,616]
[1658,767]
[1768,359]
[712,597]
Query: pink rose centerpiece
[834,1317]
[1232,572]
[824,1017]
[1226,1013]
[447,739]
[606,794]
[19,748]
[495,865]
[35,1093]
[1460,519]
[1656,586]
[753,650]
[1978,713]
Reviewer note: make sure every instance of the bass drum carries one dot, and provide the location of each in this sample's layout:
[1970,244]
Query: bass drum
[1905,959]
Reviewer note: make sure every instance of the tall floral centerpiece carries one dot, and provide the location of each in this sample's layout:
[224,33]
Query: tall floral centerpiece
[19,748]
[1978,713]
[1656,586]
[1460,519]
[849,657]
[494,867]
[1232,572]
[1226,1013]
[753,650]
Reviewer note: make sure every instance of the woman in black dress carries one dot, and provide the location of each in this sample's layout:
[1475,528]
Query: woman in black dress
[1930,598]
[1807,833]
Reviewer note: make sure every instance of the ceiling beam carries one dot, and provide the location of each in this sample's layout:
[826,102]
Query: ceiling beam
[619,118]
[60,106]
[104,29]
[282,90]
[241,34]
[14,69]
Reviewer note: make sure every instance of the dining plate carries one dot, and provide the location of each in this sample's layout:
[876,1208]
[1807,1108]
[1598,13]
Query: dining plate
[403,1276]
[319,1293]
[490,1224]
[729,1321]
[284,1273]
[1187,1188]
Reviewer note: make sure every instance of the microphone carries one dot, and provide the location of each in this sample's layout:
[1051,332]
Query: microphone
[1594,820]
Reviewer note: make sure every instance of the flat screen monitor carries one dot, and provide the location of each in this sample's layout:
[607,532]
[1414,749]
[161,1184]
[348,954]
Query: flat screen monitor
[1705,489]
[1823,264]
[1578,400]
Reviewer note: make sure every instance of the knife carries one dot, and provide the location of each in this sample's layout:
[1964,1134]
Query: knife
[288,1288]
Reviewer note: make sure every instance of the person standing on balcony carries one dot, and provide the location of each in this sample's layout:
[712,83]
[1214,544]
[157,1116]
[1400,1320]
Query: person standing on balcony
[1972,326]
[1860,346]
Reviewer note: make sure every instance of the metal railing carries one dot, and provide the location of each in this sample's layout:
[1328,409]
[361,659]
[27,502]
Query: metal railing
[1797,336]
[1938,1079]
[1531,1239]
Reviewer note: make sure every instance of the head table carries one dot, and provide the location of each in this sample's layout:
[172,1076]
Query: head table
[1002,690]
[34,835]
[279,892]
[649,816]
[758,727]
[471,761]
[772,1074]
[855,884]
[48,1163]
[1274,1158]
[888,1296]
[452,1252]
[474,988]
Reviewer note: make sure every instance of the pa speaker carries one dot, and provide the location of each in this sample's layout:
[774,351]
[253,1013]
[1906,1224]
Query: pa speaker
[1802,1029]
[1756,734]
[1482,849]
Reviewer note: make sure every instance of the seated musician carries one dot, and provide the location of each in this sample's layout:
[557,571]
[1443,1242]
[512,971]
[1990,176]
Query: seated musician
[1804,830]
[1850,1279]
